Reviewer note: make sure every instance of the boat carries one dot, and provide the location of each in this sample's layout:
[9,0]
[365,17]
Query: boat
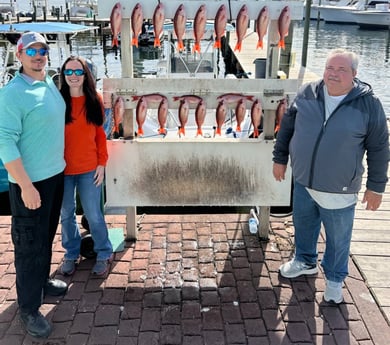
[8,8]
[58,35]
[83,8]
[378,18]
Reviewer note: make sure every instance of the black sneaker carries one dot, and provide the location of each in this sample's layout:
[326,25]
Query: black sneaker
[36,324]
[55,287]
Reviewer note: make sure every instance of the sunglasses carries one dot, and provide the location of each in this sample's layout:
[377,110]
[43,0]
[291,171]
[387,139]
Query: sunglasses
[77,72]
[32,51]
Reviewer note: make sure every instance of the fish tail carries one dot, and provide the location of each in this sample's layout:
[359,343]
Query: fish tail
[162,130]
[238,128]
[238,46]
[157,42]
[140,132]
[135,98]
[134,41]
[281,43]
[115,42]
[218,131]
[256,133]
[259,44]
[180,46]
[199,132]
[182,130]
[217,43]
[197,48]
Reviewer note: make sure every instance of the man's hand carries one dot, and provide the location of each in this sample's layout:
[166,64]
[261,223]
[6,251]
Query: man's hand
[372,199]
[279,171]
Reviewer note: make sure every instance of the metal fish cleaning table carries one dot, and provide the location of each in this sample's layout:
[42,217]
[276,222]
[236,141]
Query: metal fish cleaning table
[193,171]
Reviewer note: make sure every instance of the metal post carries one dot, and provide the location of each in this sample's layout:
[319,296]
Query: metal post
[306,33]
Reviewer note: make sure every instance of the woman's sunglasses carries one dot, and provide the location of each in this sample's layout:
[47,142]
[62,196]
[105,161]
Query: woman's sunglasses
[77,72]
[32,51]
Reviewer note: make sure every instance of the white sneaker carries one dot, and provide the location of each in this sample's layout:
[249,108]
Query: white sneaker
[333,292]
[295,268]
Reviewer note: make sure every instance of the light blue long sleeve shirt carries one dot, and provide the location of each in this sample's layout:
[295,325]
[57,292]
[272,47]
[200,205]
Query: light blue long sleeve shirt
[32,121]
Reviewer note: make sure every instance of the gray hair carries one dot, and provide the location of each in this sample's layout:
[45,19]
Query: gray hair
[350,55]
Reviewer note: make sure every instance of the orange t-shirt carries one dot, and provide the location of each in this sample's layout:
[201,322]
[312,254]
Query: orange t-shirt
[85,143]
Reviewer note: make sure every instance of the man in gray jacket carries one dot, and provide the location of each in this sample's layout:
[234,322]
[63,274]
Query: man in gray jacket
[326,132]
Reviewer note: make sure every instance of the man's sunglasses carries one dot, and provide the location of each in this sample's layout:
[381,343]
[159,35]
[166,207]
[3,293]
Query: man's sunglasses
[32,51]
[77,72]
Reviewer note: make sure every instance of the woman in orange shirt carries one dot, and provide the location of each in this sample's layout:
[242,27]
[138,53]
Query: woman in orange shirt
[85,156]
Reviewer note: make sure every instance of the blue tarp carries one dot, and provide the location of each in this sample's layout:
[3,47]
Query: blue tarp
[45,28]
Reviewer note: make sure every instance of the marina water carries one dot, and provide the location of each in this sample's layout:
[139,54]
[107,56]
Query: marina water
[372,46]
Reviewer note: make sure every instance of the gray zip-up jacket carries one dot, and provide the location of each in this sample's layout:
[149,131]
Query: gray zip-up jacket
[328,155]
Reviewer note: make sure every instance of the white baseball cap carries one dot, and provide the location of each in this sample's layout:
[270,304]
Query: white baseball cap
[29,38]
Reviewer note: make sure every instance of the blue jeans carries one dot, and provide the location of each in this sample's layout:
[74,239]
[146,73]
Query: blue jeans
[338,223]
[90,197]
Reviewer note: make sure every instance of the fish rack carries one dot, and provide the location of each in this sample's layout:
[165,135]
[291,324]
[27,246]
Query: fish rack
[194,171]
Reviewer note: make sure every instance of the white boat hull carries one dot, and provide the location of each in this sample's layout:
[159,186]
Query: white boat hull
[337,14]
[372,19]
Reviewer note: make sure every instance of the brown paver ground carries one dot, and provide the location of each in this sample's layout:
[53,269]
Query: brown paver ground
[195,279]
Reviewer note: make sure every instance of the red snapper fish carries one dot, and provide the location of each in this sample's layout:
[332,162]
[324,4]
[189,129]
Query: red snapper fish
[262,25]
[200,115]
[256,114]
[192,99]
[283,25]
[119,110]
[240,113]
[158,23]
[199,26]
[179,25]
[232,97]
[220,22]
[137,19]
[115,23]
[140,115]
[162,115]
[280,110]
[184,109]
[241,26]
[220,115]
[150,97]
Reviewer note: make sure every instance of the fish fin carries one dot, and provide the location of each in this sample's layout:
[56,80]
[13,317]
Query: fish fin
[256,133]
[238,128]
[259,44]
[134,41]
[140,132]
[217,44]
[281,43]
[197,48]
[180,46]
[175,98]
[182,131]
[218,131]
[135,98]
[115,42]
[199,132]
[157,42]
[238,47]
[162,130]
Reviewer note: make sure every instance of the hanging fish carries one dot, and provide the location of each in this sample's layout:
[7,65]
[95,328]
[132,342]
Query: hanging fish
[200,114]
[162,115]
[240,113]
[179,26]
[158,23]
[220,113]
[192,99]
[233,97]
[256,114]
[284,25]
[150,97]
[262,23]
[137,19]
[140,115]
[241,26]
[184,109]
[119,110]
[220,22]
[199,26]
[115,23]
[279,113]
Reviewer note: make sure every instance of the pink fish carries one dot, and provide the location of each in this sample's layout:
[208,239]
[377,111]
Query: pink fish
[280,110]
[220,22]
[200,114]
[115,23]
[184,108]
[262,25]
[140,115]
[241,26]
[119,110]
[150,97]
[283,25]
[220,116]
[256,113]
[199,26]
[192,99]
[162,115]
[158,23]
[137,19]
[232,97]
[179,26]
[240,113]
